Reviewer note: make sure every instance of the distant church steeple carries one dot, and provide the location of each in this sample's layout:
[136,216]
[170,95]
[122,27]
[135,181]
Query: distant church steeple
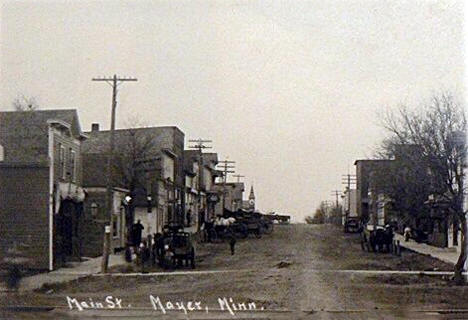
[252,195]
[252,199]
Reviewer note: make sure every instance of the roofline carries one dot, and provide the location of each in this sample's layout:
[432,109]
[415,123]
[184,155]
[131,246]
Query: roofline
[61,122]
[141,128]
[369,160]
[38,110]
[67,125]
[170,153]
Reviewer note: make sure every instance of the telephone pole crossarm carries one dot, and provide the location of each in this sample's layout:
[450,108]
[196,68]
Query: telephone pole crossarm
[238,176]
[114,82]
[199,144]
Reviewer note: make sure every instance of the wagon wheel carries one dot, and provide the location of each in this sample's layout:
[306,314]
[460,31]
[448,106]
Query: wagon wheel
[214,236]
[226,234]
[258,233]
[267,227]
[241,231]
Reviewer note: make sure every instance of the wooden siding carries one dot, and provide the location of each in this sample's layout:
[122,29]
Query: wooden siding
[24,211]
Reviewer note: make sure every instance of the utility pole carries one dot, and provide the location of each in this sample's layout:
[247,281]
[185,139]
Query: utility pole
[237,204]
[238,176]
[348,179]
[226,165]
[336,193]
[199,144]
[113,82]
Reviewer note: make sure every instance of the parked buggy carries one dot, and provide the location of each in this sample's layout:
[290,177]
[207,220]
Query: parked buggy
[249,223]
[176,248]
[226,228]
[377,238]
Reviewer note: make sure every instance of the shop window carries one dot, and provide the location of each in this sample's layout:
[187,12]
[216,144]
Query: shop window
[116,227]
[62,161]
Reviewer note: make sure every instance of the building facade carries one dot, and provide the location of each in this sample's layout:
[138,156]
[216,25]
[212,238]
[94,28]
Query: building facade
[210,196]
[149,164]
[233,194]
[41,194]
[364,169]
[349,207]
[193,203]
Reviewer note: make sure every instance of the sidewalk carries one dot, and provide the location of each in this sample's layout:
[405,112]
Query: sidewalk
[448,255]
[78,270]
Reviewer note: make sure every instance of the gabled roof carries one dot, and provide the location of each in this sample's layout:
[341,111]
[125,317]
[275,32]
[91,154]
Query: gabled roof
[40,119]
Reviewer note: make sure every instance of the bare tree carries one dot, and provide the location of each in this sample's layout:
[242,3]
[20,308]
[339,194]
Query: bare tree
[321,214]
[136,159]
[405,181]
[23,103]
[438,129]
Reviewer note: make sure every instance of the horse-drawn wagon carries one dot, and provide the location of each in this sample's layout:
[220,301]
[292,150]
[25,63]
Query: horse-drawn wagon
[176,247]
[377,238]
[250,223]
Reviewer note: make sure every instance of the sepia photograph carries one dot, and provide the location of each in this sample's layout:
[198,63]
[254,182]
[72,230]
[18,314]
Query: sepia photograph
[233,159]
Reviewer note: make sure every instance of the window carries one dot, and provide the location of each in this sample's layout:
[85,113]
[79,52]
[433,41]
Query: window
[1,153]
[116,226]
[62,161]
[72,166]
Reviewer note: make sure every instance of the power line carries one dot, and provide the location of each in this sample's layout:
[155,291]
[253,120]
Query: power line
[200,145]
[226,165]
[336,193]
[238,176]
[114,82]
[348,179]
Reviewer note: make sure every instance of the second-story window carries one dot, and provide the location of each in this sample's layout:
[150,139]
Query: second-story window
[72,167]
[62,161]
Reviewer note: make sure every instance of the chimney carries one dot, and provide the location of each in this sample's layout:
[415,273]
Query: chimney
[95,127]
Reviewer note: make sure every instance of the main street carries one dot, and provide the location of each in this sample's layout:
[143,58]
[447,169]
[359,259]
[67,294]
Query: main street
[297,272]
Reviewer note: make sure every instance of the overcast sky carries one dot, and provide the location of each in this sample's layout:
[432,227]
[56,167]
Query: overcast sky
[290,90]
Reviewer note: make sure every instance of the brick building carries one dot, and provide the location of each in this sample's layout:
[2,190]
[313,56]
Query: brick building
[364,169]
[193,204]
[41,197]
[234,192]
[209,195]
[149,165]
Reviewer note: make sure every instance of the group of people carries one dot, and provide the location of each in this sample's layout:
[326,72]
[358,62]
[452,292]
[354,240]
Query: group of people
[151,248]
[148,249]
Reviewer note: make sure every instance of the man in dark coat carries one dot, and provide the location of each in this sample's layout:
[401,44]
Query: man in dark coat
[232,244]
[136,233]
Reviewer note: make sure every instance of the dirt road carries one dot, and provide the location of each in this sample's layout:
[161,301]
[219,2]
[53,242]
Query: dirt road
[298,272]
